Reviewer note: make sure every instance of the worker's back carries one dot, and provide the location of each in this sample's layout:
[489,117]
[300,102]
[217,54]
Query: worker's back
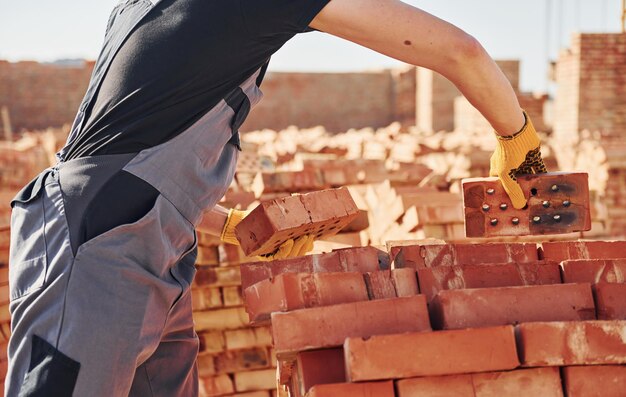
[175,64]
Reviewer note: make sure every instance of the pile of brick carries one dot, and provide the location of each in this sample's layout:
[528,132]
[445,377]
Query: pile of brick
[447,319]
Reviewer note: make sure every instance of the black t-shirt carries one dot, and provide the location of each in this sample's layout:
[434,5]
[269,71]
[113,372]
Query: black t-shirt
[179,62]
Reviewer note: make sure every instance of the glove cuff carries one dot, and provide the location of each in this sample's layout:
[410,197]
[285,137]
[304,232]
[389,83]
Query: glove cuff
[520,143]
[228,232]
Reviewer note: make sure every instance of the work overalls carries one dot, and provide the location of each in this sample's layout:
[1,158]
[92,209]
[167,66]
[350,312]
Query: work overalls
[111,316]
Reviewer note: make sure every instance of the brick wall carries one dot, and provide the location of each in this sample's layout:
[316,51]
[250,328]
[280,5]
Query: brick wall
[590,116]
[39,96]
[337,101]
[591,86]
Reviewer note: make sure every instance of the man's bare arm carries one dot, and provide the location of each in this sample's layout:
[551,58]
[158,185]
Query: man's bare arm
[411,35]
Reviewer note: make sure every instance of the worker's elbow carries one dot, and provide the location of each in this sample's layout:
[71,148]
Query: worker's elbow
[468,49]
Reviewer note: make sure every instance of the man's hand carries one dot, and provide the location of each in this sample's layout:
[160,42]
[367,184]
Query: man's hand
[289,249]
[518,154]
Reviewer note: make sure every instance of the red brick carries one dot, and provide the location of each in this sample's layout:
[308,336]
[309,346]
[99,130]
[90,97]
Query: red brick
[248,337]
[320,367]
[405,282]
[360,222]
[216,385]
[242,360]
[433,280]
[482,208]
[206,365]
[610,301]
[217,276]
[211,342]
[595,381]
[291,291]
[457,309]
[434,255]
[287,181]
[230,318]
[273,222]
[264,379]
[380,285]
[374,389]
[317,328]
[232,296]
[430,353]
[594,271]
[564,250]
[544,382]
[572,343]
[206,298]
[207,256]
[360,259]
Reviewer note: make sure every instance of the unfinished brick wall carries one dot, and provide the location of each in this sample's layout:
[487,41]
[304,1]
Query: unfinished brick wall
[591,92]
[39,95]
[47,95]
[590,116]
[337,101]
[436,95]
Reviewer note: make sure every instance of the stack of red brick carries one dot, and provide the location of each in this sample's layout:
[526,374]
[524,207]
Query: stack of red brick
[499,319]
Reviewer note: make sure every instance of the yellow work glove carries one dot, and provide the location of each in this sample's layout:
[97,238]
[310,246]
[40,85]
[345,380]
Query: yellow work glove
[228,232]
[289,249]
[518,154]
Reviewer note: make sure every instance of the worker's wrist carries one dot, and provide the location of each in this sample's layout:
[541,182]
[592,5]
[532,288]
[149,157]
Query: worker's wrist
[519,131]
[228,231]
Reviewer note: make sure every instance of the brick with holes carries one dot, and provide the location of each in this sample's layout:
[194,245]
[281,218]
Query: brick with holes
[321,213]
[557,203]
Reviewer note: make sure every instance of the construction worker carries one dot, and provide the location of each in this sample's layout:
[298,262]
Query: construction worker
[103,243]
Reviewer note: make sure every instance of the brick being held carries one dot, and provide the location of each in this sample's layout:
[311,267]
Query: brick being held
[557,203]
[273,222]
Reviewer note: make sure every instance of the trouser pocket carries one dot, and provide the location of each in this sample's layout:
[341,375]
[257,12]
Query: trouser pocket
[50,373]
[27,252]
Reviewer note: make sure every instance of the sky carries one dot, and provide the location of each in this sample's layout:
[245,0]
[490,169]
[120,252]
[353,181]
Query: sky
[532,30]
